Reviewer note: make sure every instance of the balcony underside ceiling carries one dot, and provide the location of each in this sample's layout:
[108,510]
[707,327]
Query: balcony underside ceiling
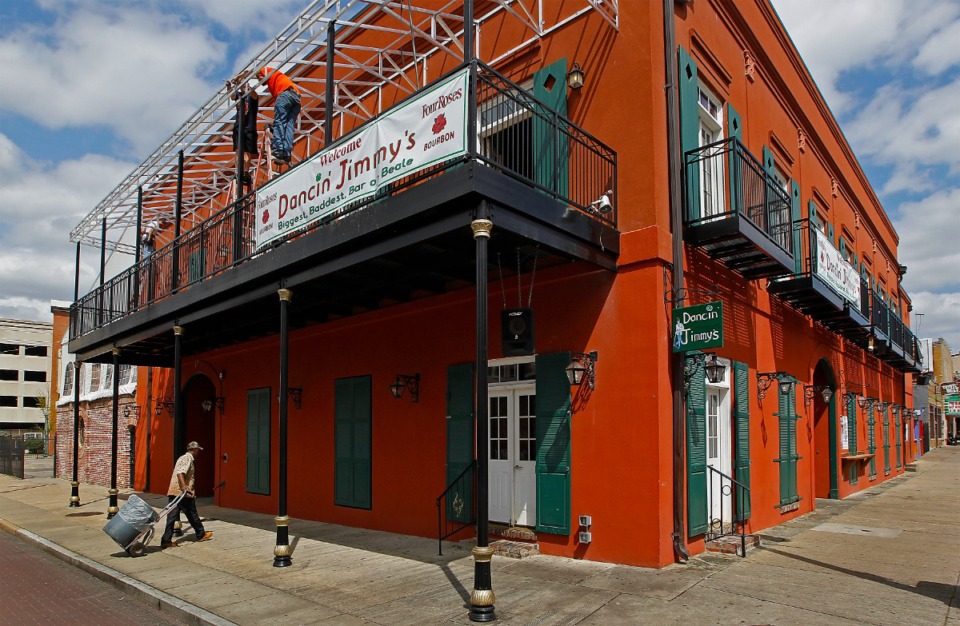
[741,246]
[811,296]
[408,247]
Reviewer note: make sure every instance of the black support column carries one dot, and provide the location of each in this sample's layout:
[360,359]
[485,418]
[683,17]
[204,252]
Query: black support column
[112,508]
[178,417]
[482,598]
[282,551]
[75,483]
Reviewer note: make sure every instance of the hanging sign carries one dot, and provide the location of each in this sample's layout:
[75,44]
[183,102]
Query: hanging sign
[844,433]
[698,327]
[835,271]
[419,133]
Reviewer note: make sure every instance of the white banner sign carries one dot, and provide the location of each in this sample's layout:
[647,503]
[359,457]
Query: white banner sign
[834,270]
[844,433]
[415,135]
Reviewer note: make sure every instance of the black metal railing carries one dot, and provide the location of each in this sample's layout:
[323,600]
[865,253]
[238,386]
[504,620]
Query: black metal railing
[11,456]
[879,314]
[736,524]
[518,135]
[725,180]
[864,297]
[807,257]
[457,505]
[911,346]
[896,330]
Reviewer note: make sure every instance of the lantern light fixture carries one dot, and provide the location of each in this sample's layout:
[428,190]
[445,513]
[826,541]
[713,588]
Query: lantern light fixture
[810,391]
[582,366]
[406,382]
[765,379]
[575,77]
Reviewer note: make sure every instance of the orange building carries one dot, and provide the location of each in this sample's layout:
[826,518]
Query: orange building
[477,269]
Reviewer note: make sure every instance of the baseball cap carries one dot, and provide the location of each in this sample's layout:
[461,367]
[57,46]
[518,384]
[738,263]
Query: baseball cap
[193,445]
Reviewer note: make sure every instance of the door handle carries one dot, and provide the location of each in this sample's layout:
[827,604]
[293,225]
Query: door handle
[517,467]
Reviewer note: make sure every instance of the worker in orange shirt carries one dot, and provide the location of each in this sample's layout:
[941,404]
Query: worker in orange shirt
[286,109]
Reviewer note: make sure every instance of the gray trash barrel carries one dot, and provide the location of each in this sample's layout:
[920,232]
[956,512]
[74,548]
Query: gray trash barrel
[134,517]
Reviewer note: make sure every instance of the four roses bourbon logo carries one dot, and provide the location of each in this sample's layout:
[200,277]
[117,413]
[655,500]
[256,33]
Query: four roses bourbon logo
[439,124]
[266,216]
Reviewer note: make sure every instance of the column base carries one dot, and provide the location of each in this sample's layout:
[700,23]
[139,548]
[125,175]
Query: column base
[113,509]
[282,551]
[74,494]
[482,598]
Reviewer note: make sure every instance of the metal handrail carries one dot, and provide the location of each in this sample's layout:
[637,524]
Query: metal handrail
[748,191]
[443,496]
[738,520]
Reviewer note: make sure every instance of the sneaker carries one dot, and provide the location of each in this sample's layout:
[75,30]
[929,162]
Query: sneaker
[207,536]
[168,544]
[281,159]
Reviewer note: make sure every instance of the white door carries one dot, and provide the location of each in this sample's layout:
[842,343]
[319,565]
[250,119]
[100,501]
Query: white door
[711,166]
[719,456]
[512,477]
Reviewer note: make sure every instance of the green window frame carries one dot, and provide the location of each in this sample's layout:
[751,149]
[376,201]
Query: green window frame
[258,441]
[353,469]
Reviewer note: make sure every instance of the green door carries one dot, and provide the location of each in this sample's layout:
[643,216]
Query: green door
[550,149]
[258,441]
[460,429]
[553,444]
[353,445]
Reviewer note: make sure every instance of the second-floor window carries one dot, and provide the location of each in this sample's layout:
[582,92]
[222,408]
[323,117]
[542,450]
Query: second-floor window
[711,165]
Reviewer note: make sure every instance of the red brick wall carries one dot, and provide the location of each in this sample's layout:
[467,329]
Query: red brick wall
[95,451]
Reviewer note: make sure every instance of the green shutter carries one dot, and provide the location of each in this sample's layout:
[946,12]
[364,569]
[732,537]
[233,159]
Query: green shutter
[741,412]
[852,435]
[787,414]
[795,216]
[886,439]
[553,444]
[812,214]
[871,442]
[689,95]
[769,163]
[197,265]
[734,163]
[352,442]
[697,452]
[258,441]
[899,438]
[551,152]
[460,429]
[843,248]
[830,232]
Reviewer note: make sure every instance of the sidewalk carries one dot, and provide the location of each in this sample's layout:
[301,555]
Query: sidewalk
[890,555]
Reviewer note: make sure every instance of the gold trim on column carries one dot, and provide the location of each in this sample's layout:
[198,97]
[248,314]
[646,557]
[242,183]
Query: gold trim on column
[285,295]
[481,555]
[282,521]
[482,597]
[113,492]
[481,228]
[178,330]
[74,483]
[282,551]
[115,352]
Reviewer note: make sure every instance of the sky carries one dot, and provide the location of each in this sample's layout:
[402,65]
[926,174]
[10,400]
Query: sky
[94,86]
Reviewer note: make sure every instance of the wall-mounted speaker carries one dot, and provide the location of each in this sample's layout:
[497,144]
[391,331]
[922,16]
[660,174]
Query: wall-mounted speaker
[516,327]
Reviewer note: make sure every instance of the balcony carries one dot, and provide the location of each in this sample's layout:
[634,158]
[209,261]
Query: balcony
[903,350]
[736,212]
[825,287]
[549,186]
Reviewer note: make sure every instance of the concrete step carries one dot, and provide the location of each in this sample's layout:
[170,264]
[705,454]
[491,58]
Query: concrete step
[911,467]
[730,544]
[515,533]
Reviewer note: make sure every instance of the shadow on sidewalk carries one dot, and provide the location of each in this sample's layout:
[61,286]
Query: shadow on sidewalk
[937,591]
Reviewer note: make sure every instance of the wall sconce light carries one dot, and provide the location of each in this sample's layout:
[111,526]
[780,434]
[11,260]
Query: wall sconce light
[208,404]
[131,410]
[862,402]
[575,77]
[296,394]
[582,363]
[882,406]
[809,392]
[895,409]
[164,404]
[410,383]
[870,343]
[715,370]
[765,379]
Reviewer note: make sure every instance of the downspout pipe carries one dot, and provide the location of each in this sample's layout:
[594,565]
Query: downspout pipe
[676,227]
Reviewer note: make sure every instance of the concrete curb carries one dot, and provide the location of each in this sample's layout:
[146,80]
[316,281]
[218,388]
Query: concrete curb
[163,601]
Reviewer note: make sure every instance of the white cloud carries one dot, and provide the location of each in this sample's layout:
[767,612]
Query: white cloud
[247,15]
[939,319]
[39,204]
[137,71]
[929,244]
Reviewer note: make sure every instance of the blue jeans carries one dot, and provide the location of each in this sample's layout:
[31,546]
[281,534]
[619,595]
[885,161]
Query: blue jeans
[285,113]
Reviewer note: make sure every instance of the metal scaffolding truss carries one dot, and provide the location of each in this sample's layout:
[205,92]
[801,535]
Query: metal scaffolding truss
[378,45]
